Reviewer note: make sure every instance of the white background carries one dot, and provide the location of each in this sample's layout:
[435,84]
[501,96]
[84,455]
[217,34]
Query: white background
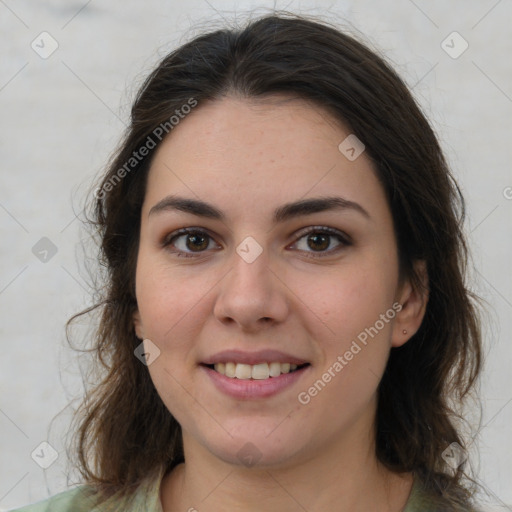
[62,116]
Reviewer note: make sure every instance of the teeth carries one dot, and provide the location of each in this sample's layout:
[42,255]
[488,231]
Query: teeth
[230,370]
[260,371]
[243,371]
[275,369]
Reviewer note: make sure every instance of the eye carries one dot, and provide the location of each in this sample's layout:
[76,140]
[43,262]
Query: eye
[319,238]
[187,241]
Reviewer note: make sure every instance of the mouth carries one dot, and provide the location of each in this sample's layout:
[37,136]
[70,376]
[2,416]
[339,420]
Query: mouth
[261,371]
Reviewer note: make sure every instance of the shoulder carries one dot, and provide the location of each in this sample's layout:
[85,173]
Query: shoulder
[77,499]
[421,501]
[84,498]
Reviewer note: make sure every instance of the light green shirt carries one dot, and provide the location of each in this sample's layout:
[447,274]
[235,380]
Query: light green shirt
[147,499]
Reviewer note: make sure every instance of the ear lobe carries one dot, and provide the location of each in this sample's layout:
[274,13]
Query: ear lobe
[414,299]
[137,324]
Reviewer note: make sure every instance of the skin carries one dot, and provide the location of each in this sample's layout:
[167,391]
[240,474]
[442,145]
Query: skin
[248,157]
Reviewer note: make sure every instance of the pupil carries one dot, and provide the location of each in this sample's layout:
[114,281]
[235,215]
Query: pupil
[316,238]
[193,239]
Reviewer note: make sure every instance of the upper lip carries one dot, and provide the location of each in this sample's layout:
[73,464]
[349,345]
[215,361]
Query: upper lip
[261,356]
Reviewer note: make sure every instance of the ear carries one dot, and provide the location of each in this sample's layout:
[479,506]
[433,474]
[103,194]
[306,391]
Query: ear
[414,304]
[137,324]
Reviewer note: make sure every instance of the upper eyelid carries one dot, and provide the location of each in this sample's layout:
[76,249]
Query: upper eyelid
[330,231]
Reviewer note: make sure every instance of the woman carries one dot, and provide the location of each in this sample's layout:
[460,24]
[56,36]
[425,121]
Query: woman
[286,323]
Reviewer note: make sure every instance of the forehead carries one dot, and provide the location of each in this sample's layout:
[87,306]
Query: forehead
[257,154]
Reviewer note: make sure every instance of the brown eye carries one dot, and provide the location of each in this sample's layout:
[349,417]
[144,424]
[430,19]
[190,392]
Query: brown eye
[196,241]
[186,242]
[319,240]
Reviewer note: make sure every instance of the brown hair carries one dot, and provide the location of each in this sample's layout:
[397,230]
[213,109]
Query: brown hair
[125,430]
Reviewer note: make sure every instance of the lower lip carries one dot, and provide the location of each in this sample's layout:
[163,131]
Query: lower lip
[254,388]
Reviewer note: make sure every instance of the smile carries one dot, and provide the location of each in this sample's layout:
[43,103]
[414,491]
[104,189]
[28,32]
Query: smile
[245,381]
[259,371]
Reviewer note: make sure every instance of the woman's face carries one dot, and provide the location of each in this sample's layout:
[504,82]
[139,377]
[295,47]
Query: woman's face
[262,283]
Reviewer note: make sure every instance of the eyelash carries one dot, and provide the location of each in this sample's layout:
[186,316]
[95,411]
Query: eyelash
[342,238]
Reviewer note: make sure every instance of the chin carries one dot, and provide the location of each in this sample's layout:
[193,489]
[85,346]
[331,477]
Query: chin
[257,445]
[254,455]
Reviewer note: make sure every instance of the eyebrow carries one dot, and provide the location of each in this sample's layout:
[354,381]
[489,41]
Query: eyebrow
[281,214]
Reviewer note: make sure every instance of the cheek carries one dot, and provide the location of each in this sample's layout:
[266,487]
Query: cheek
[351,298]
[357,309]
[167,298]
[171,308]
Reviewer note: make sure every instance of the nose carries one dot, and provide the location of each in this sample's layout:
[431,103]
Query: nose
[251,294]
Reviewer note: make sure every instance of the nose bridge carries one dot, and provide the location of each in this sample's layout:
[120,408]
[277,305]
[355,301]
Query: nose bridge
[250,274]
[251,291]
